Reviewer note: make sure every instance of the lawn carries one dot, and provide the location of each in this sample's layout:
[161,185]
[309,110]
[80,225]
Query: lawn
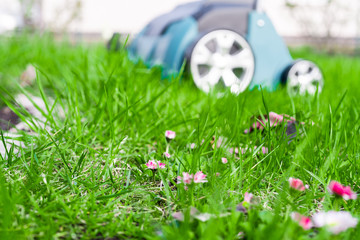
[83,176]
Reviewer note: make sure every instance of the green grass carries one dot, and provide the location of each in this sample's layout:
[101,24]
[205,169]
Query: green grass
[87,179]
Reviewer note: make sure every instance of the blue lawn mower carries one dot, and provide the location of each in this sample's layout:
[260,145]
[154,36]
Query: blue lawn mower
[226,42]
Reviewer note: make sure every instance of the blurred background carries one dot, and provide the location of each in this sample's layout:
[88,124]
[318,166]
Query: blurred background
[326,24]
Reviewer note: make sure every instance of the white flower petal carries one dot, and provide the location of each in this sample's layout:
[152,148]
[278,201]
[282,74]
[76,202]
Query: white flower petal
[335,222]
[203,216]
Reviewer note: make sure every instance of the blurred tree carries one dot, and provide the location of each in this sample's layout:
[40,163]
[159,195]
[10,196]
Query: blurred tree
[31,14]
[67,13]
[64,13]
[324,22]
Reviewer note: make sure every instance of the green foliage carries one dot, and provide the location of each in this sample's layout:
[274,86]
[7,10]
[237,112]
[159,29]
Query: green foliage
[87,179]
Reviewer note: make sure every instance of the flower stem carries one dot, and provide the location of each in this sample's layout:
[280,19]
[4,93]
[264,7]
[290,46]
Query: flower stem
[336,204]
[191,196]
[153,171]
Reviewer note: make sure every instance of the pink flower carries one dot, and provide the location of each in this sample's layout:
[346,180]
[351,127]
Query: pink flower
[170,135]
[265,150]
[167,155]
[217,174]
[186,179]
[343,191]
[249,200]
[152,164]
[274,118]
[224,160]
[297,184]
[234,150]
[248,197]
[199,177]
[192,145]
[303,221]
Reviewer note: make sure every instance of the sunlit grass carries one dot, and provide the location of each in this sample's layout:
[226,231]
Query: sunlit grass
[86,177]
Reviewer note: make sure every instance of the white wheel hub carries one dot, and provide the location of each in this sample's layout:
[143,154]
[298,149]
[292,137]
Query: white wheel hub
[222,56]
[304,77]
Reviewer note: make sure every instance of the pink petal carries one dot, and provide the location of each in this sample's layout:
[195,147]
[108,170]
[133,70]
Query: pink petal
[151,164]
[274,118]
[179,179]
[306,223]
[343,191]
[296,184]
[248,197]
[265,150]
[187,178]
[199,177]
[303,221]
[336,188]
[170,134]
[234,150]
[161,165]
